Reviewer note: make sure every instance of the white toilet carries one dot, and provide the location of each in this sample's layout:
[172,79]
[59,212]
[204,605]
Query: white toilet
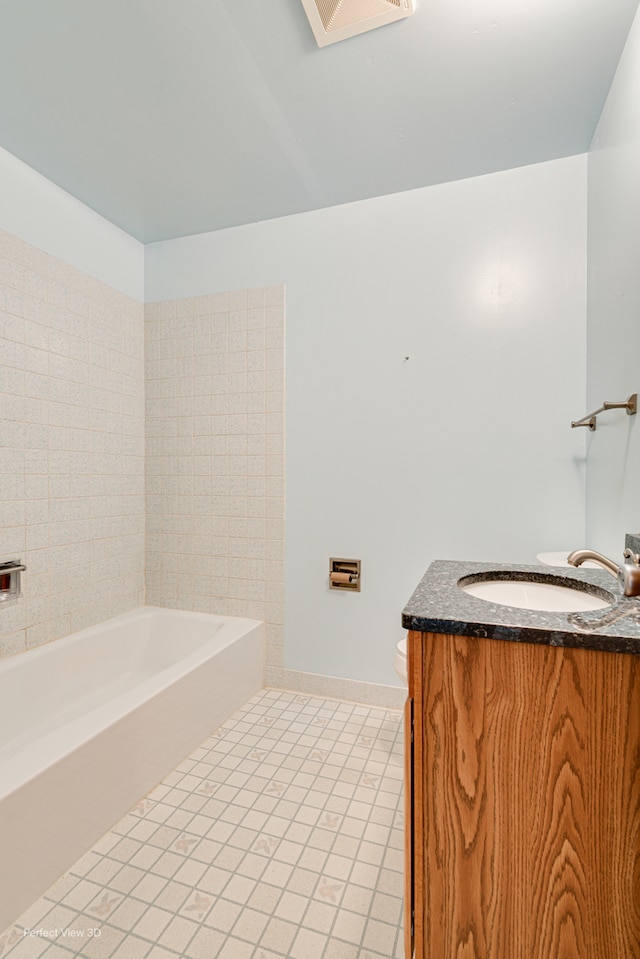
[401,660]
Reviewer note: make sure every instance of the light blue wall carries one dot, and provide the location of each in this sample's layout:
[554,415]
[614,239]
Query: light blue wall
[462,451]
[613,487]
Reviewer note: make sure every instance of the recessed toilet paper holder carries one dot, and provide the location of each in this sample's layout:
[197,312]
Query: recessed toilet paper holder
[344,574]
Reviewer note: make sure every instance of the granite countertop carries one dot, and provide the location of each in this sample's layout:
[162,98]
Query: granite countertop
[438,605]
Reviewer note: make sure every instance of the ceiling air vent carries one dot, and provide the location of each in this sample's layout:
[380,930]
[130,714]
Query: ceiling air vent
[333,20]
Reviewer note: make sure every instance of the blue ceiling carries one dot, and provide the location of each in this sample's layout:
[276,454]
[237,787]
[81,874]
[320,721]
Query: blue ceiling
[175,117]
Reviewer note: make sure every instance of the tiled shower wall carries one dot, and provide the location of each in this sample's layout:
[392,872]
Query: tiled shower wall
[215,458]
[71,446]
[72,457]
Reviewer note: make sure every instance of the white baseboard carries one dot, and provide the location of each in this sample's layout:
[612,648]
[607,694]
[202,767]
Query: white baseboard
[334,687]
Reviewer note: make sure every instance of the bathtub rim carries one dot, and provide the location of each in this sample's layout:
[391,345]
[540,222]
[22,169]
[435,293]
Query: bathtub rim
[27,762]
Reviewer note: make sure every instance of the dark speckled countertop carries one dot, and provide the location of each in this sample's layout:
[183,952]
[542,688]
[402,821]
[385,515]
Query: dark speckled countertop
[438,605]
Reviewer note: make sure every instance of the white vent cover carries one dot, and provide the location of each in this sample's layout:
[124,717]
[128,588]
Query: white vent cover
[333,20]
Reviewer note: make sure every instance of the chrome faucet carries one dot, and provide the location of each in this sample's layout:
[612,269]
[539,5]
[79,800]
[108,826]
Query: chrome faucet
[628,575]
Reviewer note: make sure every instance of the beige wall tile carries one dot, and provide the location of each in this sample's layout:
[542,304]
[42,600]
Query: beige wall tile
[215,455]
[72,401]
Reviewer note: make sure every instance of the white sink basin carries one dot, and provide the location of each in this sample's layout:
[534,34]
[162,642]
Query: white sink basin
[525,594]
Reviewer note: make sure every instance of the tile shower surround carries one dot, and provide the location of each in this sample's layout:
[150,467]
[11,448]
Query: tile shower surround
[215,458]
[280,837]
[71,446]
[73,353]
[72,463]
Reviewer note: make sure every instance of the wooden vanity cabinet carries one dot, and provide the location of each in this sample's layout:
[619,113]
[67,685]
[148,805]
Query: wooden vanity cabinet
[522,801]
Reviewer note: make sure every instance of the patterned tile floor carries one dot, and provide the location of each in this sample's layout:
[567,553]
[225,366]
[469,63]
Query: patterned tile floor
[280,836]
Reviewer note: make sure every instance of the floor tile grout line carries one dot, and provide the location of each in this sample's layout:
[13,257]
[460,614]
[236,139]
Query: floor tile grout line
[282,894]
[322,783]
[359,943]
[344,883]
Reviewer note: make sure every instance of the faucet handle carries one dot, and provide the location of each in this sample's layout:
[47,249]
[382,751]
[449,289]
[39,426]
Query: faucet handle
[629,579]
[634,557]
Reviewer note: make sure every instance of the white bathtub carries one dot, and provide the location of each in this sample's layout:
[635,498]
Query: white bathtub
[89,724]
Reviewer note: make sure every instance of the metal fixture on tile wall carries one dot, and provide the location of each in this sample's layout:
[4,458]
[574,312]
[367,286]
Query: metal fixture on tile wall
[10,579]
[344,574]
[630,405]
